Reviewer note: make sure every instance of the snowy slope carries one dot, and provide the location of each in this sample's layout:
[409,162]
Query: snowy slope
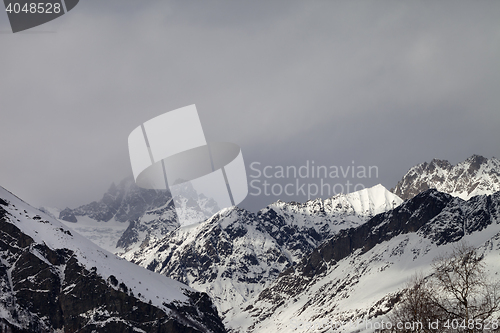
[371,201]
[474,176]
[153,288]
[105,235]
[356,275]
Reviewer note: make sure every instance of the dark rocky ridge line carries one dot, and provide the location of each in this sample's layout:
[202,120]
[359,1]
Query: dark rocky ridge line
[409,217]
[321,287]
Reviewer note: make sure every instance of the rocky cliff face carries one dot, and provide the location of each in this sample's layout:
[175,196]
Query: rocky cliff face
[475,176]
[230,256]
[358,273]
[302,227]
[53,280]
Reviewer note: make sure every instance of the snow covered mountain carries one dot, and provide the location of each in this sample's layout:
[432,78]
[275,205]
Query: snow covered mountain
[292,266]
[154,224]
[54,280]
[123,202]
[231,256]
[235,254]
[128,216]
[354,279]
[105,221]
[475,176]
[302,227]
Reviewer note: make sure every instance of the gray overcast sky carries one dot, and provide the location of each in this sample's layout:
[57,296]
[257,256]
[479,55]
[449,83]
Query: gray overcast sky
[385,83]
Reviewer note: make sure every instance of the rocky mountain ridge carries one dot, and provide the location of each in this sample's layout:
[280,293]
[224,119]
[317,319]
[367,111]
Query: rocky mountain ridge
[129,216]
[475,176]
[54,280]
[357,275]
[123,202]
[235,254]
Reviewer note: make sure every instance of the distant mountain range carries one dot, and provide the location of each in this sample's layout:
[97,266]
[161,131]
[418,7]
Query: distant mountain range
[345,257]
[286,232]
[235,254]
[135,215]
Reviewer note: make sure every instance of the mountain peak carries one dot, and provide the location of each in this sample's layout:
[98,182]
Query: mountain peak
[444,164]
[124,202]
[475,176]
[366,202]
[475,162]
[477,158]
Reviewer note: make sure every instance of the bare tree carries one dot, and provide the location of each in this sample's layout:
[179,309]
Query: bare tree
[456,297]
[463,291]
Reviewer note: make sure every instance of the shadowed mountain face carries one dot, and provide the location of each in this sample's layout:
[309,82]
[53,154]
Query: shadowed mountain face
[54,280]
[475,176]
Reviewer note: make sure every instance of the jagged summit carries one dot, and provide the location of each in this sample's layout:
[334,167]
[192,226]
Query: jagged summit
[475,176]
[123,202]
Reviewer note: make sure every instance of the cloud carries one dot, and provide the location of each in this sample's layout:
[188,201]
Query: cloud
[379,83]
